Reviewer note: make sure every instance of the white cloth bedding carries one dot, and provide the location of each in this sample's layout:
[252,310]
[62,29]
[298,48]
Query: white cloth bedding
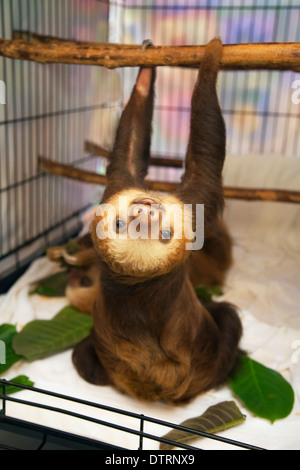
[263,283]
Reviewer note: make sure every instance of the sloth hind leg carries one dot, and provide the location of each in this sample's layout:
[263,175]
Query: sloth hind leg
[87,363]
[228,321]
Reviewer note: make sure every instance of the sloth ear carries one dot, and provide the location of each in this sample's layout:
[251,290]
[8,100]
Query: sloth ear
[131,152]
[201,181]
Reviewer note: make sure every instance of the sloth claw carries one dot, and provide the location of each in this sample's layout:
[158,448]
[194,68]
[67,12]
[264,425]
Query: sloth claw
[146,43]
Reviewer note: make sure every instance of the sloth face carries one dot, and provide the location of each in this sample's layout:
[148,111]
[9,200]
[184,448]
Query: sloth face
[141,233]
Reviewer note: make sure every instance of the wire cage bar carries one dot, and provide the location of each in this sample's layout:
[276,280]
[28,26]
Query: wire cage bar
[65,439]
[48,110]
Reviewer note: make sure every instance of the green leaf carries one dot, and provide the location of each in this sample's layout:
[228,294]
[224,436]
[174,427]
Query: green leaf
[43,338]
[21,380]
[263,391]
[8,357]
[215,419]
[206,293]
[52,286]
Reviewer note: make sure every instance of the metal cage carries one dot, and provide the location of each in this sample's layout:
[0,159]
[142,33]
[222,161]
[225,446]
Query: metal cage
[24,435]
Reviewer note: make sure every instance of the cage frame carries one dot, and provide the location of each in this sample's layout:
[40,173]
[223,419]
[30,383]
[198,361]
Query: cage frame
[63,438]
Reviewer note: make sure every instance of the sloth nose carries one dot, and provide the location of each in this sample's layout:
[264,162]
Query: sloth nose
[146,213]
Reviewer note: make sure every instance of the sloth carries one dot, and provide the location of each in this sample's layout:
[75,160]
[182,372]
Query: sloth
[151,337]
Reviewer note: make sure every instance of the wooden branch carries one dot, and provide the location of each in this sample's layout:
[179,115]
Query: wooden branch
[230,192]
[95,149]
[281,56]
[68,171]
[276,195]
[28,36]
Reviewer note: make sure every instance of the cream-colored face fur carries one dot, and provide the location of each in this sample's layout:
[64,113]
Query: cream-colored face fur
[142,234]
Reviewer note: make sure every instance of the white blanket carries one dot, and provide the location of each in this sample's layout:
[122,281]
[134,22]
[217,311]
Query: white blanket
[263,283]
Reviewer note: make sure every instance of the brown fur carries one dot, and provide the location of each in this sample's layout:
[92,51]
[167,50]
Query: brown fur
[82,287]
[152,338]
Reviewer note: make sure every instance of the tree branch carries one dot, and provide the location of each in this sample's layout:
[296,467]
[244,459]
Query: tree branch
[281,56]
[68,171]
[95,149]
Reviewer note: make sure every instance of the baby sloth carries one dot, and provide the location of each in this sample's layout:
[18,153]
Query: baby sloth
[151,336]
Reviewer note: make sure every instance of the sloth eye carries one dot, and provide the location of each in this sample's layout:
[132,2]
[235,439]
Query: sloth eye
[120,224]
[165,234]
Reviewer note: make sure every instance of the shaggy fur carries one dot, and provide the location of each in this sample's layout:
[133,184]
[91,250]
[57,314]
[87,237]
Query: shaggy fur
[152,338]
[142,254]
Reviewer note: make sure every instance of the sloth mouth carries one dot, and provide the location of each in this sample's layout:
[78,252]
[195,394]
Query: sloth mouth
[148,201]
[154,210]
